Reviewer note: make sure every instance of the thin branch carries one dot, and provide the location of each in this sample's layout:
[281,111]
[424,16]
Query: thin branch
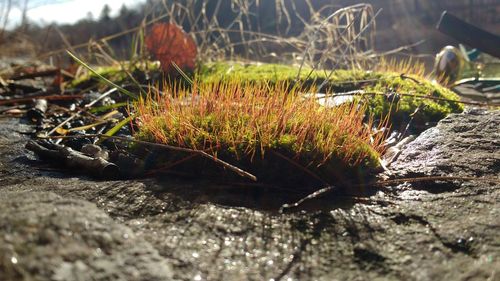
[330,189]
[226,165]
[30,99]
[430,179]
[302,168]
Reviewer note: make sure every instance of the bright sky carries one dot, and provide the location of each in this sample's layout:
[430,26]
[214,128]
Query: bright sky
[67,11]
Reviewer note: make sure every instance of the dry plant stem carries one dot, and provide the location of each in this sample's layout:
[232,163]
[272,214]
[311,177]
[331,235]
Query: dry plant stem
[87,106]
[304,169]
[63,38]
[372,21]
[385,183]
[330,42]
[404,76]
[327,190]
[170,166]
[106,38]
[113,61]
[235,169]
[51,98]
[25,88]
[224,164]
[21,107]
[315,195]
[400,49]
[325,21]
[412,116]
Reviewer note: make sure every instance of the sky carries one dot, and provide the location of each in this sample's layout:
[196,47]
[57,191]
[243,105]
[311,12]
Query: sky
[66,11]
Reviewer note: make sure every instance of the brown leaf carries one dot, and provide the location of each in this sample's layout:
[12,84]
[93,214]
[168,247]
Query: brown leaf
[169,43]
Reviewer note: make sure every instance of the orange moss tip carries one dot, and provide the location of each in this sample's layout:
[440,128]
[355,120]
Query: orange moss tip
[244,121]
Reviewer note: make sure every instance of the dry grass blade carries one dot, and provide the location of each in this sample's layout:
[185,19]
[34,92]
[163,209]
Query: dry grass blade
[346,49]
[107,81]
[87,106]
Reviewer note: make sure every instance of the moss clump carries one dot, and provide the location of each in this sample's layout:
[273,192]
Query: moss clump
[401,107]
[257,117]
[255,72]
[266,129]
[275,73]
[348,80]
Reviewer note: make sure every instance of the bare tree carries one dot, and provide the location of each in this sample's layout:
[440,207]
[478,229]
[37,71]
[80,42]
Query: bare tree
[23,5]
[4,16]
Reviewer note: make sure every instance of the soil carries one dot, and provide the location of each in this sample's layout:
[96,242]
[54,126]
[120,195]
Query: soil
[56,225]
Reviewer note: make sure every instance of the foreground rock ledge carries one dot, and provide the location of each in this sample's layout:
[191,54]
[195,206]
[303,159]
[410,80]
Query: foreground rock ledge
[55,226]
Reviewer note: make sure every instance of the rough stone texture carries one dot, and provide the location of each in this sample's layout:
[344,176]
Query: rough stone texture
[466,145]
[45,236]
[194,231]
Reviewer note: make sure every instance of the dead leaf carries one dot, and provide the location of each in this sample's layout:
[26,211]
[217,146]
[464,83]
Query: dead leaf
[169,43]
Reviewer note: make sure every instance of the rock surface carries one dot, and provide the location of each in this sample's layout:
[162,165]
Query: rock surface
[61,226]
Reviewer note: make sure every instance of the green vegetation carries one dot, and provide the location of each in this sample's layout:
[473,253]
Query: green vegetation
[262,127]
[258,117]
[387,80]
[428,110]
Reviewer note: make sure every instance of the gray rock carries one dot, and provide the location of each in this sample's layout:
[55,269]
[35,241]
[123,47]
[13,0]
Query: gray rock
[47,237]
[192,229]
[466,145]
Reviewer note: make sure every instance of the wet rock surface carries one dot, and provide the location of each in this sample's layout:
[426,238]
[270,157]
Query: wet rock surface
[60,226]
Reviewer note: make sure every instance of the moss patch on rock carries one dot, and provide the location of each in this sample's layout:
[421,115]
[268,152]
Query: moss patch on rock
[269,130]
[397,103]
[404,106]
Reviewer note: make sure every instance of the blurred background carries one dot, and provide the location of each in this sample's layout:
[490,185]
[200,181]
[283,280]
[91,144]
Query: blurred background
[30,28]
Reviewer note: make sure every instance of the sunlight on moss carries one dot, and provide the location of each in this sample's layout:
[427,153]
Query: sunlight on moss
[387,80]
[251,123]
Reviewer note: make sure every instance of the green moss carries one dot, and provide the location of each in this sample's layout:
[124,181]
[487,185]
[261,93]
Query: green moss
[329,163]
[274,73]
[232,71]
[430,111]
[268,163]
[267,137]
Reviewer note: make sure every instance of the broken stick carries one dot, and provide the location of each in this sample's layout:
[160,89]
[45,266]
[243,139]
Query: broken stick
[74,159]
